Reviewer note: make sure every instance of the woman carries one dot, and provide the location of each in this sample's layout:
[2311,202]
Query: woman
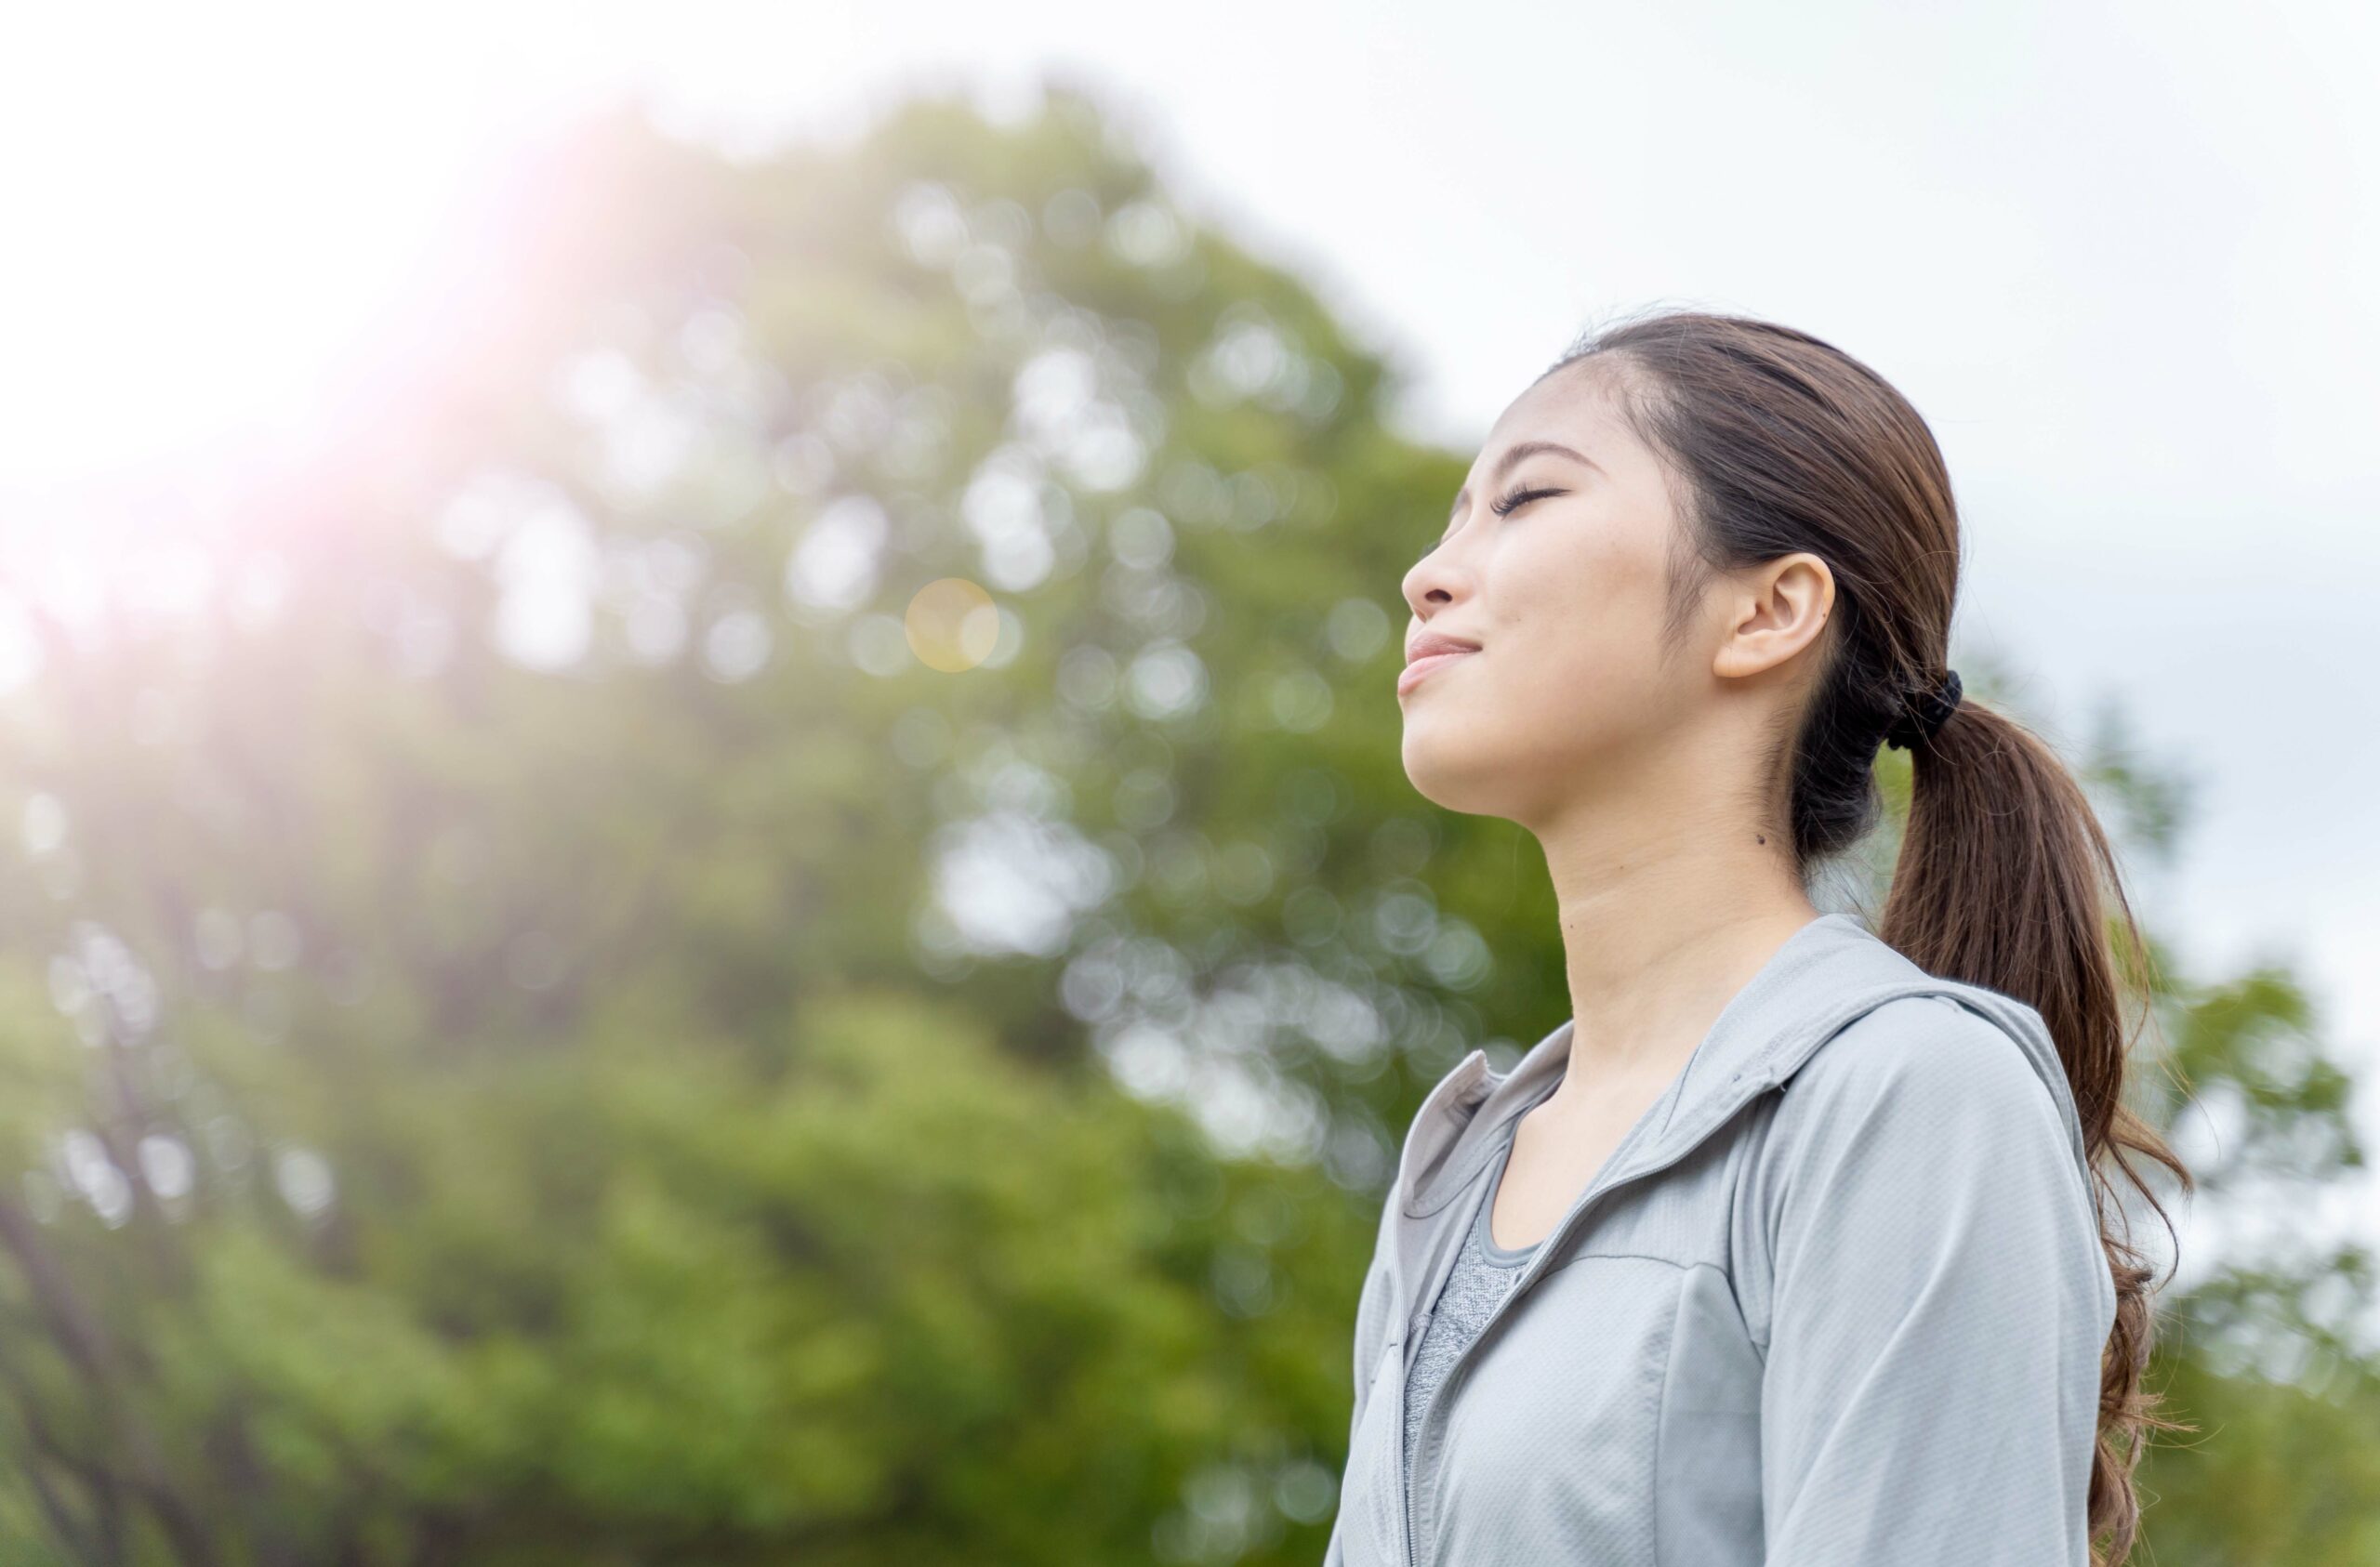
[1796,1245]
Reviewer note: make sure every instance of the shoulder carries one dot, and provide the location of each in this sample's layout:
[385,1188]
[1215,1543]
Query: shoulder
[1924,1055]
[1920,1136]
[1920,1085]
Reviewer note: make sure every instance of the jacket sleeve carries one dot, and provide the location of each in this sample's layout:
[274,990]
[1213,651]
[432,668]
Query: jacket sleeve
[1939,1303]
[1371,1330]
[1370,1335]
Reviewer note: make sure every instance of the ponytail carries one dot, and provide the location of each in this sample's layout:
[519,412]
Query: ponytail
[2000,881]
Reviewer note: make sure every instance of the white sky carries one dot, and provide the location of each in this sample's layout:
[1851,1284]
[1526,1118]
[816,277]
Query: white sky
[2123,254]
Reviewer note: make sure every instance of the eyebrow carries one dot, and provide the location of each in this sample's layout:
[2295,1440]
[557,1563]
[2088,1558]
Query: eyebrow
[1512,460]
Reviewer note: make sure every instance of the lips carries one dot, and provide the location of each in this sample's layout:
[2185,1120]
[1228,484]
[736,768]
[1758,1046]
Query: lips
[1420,669]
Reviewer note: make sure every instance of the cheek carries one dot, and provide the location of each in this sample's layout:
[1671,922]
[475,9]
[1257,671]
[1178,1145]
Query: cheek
[1579,600]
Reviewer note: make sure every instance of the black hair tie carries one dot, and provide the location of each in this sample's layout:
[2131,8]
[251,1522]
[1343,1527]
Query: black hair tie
[1915,728]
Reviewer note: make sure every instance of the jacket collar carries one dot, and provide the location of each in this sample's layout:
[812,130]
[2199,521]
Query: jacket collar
[1830,971]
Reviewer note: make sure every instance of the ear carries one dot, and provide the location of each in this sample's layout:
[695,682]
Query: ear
[1773,610]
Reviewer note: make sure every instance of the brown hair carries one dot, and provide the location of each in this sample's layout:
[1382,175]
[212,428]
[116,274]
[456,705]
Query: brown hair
[2006,879]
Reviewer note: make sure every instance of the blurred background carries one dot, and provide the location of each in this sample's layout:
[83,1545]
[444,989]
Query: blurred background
[707,858]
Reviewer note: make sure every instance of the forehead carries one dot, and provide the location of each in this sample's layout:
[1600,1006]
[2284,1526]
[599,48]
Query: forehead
[1575,404]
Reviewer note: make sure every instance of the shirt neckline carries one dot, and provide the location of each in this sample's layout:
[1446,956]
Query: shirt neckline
[1501,1256]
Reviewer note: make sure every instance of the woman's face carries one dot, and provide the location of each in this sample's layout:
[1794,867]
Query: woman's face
[1564,593]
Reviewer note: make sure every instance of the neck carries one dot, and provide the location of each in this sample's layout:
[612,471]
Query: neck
[1663,921]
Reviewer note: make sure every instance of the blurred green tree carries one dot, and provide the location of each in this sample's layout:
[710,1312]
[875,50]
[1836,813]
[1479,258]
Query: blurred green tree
[771,917]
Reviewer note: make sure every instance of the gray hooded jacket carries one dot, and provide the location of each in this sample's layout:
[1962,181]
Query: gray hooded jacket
[1838,1299]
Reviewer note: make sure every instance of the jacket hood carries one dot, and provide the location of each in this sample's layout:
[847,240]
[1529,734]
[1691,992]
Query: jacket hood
[1827,974]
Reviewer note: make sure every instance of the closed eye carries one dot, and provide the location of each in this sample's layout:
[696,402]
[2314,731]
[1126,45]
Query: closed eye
[1502,506]
[1505,504]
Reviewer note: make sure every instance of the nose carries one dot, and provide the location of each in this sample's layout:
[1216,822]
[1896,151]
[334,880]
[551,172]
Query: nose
[1437,579]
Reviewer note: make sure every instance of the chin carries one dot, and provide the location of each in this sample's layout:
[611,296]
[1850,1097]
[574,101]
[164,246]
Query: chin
[1449,768]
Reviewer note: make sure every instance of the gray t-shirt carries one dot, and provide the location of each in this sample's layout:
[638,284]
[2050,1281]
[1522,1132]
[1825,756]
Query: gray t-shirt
[1484,1274]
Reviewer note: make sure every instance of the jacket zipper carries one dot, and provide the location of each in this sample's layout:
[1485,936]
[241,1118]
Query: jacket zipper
[1424,1452]
[1403,1497]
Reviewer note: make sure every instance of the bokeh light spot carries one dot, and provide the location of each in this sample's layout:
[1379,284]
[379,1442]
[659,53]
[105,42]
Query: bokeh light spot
[952,625]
